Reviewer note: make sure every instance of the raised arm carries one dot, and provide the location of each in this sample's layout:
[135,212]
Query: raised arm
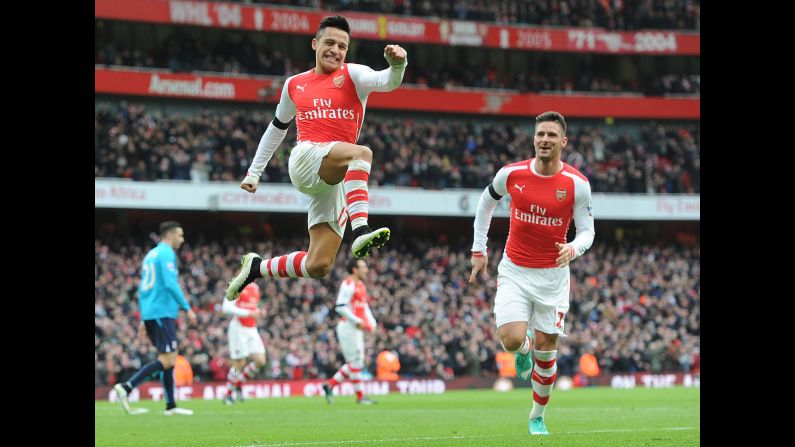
[368,80]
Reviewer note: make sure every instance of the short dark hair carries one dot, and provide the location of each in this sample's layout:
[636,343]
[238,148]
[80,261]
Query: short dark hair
[334,22]
[167,226]
[353,263]
[552,116]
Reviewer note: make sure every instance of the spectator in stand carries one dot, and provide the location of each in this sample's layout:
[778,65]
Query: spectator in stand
[272,62]
[630,298]
[651,158]
[611,14]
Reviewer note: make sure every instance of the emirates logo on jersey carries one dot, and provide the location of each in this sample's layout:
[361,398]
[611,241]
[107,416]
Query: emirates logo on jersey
[560,194]
[339,80]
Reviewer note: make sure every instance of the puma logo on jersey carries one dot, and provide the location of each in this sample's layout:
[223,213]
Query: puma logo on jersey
[520,188]
[301,87]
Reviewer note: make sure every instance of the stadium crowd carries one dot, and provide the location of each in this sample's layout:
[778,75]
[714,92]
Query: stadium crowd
[610,14]
[184,53]
[655,158]
[636,307]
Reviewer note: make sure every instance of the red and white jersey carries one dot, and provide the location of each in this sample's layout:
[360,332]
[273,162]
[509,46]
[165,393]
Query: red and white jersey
[352,302]
[542,208]
[330,107]
[248,300]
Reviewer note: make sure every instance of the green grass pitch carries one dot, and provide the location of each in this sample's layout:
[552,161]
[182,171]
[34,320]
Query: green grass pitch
[577,417]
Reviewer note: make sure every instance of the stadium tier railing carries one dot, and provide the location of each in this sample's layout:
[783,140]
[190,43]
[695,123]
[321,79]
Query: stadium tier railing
[284,198]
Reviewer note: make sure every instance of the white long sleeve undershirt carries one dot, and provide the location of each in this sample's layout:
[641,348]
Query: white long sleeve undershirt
[483,215]
[268,144]
[229,307]
[345,311]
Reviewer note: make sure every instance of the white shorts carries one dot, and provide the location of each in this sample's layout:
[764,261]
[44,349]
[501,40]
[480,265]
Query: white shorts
[327,202]
[351,342]
[524,293]
[243,340]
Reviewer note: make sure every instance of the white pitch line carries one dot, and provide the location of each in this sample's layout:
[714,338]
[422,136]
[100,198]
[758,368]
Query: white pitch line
[434,438]
[627,430]
[366,441]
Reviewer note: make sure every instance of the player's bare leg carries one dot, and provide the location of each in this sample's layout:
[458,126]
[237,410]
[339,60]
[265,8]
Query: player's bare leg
[314,263]
[517,339]
[350,163]
[324,243]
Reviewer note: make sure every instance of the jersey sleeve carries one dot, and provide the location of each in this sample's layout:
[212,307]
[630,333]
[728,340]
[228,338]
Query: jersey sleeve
[343,305]
[583,217]
[169,273]
[371,323]
[485,209]
[229,307]
[500,182]
[368,80]
[285,110]
[273,136]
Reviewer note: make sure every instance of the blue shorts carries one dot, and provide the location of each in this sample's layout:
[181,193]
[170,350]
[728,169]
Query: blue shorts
[163,333]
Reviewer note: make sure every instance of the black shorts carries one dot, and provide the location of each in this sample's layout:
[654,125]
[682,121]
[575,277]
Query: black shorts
[163,333]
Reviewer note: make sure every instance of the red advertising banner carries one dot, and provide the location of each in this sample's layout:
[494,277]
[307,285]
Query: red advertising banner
[185,85]
[268,389]
[647,380]
[401,29]
[274,389]
[162,83]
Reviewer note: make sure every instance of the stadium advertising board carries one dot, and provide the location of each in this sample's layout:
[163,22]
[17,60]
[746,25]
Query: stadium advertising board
[283,198]
[400,28]
[267,389]
[275,389]
[162,83]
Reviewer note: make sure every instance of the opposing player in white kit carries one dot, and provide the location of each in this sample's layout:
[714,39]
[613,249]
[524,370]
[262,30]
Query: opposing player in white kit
[244,340]
[355,318]
[533,275]
[328,103]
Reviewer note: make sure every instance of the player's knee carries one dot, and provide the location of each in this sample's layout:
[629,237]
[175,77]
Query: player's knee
[318,269]
[364,153]
[259,361]
[512,342]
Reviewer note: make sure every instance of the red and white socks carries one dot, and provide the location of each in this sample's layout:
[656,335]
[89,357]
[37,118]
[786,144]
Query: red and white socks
[285,266]
[341,376]
[233,381]
[356,196]
[235,378]
[348,373]
[356,380]
[543,379]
